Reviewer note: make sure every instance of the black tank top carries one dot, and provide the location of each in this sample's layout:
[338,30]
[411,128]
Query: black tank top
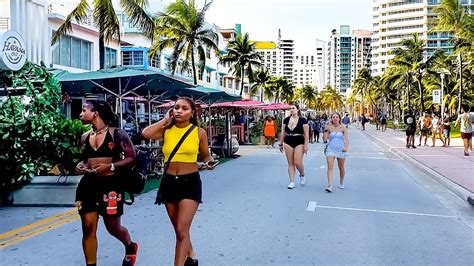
[107,149]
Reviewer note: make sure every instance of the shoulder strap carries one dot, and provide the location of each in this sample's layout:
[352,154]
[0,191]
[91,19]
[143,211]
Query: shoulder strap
[176,148]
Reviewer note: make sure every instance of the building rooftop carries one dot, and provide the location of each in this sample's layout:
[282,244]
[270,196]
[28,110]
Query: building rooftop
[265,45]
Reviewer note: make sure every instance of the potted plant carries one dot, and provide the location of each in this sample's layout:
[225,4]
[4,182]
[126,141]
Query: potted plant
[256,132]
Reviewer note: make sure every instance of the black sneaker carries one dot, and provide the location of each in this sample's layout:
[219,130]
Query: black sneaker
[413,146]
[190,262]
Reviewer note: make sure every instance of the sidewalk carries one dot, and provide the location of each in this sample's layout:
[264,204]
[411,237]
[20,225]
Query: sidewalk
[442,163]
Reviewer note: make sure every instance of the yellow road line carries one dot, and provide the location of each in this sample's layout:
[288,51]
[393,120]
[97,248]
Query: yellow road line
[37,224]
[25,236]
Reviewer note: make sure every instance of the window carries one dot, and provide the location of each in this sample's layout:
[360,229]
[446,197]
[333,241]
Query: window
[221,80]
[110,57]
[72,52]
[199,73]
[208,76]
[132,58]
[208,53]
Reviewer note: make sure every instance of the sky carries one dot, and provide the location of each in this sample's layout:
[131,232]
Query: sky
[302,20]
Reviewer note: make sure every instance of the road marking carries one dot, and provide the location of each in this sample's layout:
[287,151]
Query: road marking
[27,235]
[383,211]
[25,232]
[381,153]
[367,157]
[322,166]
[311,206]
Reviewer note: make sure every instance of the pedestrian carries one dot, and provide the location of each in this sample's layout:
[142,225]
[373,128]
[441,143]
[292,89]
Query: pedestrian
[377,118]
[310,128]
[346,121]
[465,121]
[317,128]
[363,121]
[181,187]
[395,123]
[425,127]
[410,130]
[436,129]
[337,137]
[446,131]
[100,190]
[269,131]
[324,121]
[383,122]
[294,141]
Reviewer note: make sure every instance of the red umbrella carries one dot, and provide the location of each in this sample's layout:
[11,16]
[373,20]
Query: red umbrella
[277,106]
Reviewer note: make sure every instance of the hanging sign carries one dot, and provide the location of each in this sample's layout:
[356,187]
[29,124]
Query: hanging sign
[12,51]
[437,96]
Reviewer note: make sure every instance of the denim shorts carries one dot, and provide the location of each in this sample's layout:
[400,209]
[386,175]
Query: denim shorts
[446,133]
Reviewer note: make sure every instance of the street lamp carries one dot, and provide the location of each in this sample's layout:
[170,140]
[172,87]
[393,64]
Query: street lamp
[442,74]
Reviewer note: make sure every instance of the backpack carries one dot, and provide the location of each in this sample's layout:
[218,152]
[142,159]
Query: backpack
[135,177]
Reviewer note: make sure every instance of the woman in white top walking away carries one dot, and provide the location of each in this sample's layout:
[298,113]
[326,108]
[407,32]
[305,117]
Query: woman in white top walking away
[465,120]
[337,137]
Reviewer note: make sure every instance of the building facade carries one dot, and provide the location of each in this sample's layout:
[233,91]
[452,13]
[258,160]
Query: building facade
[272,58]
[306,71]
[321,62]
[347,52]
[394,20]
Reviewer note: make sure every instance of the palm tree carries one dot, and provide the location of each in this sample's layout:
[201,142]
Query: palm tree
[259,81]
[280,89]
[453,17]
[106,20]
[286,90]
[361,85]
[182,28]
[308,95]
[331,99]
[411,56]
[242,56]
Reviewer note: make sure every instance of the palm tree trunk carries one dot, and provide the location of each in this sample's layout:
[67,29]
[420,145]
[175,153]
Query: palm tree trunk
[422,99]
[460,84]
[194,69]
[242,81]
[101,53]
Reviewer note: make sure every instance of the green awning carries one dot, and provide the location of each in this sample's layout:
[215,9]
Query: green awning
[212,95]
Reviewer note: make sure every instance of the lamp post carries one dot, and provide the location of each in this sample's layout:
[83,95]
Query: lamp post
[442,74]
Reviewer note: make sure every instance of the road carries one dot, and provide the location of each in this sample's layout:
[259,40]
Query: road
[388,214]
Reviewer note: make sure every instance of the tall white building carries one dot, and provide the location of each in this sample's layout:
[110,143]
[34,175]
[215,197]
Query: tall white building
[306,70]
[272,58]
[321,62]
[394,20]
[287,46]
[347,53]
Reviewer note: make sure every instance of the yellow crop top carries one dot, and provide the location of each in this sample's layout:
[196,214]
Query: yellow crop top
[188,151]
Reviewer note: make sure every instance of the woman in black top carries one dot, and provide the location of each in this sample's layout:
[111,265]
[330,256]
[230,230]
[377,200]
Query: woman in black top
[101,191]
[294,140]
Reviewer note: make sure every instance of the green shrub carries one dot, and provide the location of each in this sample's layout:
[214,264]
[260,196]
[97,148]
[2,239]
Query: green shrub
[33,130]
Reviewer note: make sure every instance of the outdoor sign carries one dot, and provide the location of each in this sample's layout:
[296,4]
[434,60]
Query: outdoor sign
[437,96]
[12,51]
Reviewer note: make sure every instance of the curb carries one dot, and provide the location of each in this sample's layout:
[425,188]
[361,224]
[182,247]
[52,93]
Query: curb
[459,191]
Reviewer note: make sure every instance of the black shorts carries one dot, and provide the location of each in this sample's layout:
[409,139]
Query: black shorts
[174,188]
[384,121]
[294,141]
[425,131]
[410,132]
[102,194]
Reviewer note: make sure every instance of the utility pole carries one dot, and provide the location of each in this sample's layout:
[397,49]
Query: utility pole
[460,84]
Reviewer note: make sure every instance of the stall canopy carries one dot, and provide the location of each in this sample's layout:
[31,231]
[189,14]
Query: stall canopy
[277,106]
[121,81]
[240,104]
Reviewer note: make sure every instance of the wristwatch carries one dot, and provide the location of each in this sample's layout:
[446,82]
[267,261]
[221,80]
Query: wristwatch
[112,167]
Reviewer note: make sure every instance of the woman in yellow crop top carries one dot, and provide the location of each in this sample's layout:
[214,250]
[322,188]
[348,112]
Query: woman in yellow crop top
[181,187]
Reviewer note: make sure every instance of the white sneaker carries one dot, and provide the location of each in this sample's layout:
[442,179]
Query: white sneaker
[302,180]
[341,186]
[291,185]
[329,189]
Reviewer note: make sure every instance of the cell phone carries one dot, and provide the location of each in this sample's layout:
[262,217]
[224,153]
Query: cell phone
[212,163]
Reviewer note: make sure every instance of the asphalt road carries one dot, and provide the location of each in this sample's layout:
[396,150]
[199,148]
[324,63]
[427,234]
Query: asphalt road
[388,214]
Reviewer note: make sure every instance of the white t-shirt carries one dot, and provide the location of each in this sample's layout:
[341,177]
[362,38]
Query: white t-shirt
[465,120]
[435,123]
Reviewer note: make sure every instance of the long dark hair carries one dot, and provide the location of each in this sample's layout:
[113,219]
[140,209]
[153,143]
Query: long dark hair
[105,112]
[194,119]
[297,108]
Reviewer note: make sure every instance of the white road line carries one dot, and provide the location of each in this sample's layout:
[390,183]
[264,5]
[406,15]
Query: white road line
[367,157]
[380,152]
[382,211]
[322,166]
[311,206]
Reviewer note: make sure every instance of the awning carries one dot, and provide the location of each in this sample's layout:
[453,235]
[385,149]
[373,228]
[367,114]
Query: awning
[277,106]
[210,68]
[241,104]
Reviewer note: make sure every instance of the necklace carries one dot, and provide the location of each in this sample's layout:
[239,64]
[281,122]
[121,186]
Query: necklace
[102,130]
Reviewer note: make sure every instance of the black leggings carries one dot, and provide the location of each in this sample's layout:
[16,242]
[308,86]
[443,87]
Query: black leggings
[294,141]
